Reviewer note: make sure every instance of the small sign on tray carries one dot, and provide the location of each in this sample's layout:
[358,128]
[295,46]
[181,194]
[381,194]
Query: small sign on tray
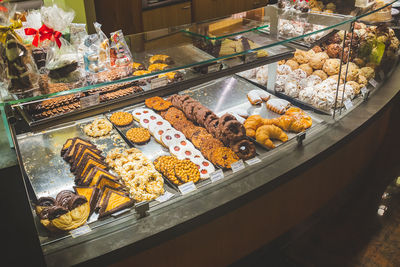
[237,166]
[348,104]
[80,231]
[250,57]
[159,82]
[214,68]
[373,82]
[187,188]
[167,195]
[216,176]
[253,161]
[90,100]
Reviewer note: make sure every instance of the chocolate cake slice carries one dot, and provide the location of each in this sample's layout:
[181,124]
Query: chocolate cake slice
[81,152]
[88,160]
[113,202]
[91,193]
[102,196]
[70,152]
[106,180]
[94,176]
[66,146]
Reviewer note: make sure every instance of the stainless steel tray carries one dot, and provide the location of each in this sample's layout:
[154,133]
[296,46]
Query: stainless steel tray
[230,94]
[153,149]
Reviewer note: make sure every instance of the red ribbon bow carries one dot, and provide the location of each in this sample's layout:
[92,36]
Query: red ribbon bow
[44,33]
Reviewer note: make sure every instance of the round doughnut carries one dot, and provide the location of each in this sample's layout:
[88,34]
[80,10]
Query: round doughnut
[121,118]
[137,113]
[232,131]
[225,118]
[139,136]
[244,148]
[210,118]
[198,107]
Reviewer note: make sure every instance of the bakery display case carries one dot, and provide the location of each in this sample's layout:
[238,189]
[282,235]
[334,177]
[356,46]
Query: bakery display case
[132,130]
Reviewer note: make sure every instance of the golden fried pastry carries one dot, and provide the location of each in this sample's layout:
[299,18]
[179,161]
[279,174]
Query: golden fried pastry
[139,136]
[301,57]
[251,125]
[292,64]
[121,118]
[265,133]
[223,157]
[307,68]
[331,66]
[141,72]
[318,60]
[157,103]
[165,165]
[187,171]
[157,67]
[321,74]
[99,127]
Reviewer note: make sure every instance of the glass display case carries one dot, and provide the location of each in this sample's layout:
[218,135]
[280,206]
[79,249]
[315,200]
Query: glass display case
[198,106]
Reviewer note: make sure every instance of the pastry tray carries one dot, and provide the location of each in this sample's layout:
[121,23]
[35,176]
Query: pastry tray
[153,149]
[47,171]
[230,94]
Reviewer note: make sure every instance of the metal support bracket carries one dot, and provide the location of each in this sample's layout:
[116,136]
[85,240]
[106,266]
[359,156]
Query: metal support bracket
[300,137]
[141,208]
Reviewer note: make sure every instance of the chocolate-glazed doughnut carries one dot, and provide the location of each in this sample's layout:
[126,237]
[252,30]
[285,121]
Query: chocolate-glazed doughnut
[212,127]
[225,118]
[55,212]
[231,132]
[244,148]
[63,198]
[46,201]
[76,201]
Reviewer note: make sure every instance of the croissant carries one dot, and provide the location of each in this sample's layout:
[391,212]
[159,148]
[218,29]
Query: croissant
[265,133]
[284,122]
[251,124]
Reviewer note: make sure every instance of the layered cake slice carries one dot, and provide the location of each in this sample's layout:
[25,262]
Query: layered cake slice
[103,194]
[81,151]
[106,180]
[66,146]
[113,202]
[70,152]
[91,193]
[86,164]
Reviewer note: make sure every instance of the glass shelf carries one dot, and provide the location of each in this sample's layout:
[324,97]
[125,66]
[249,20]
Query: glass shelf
[181,44]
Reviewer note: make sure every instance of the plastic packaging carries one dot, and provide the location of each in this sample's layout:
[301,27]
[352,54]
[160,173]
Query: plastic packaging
[120,55]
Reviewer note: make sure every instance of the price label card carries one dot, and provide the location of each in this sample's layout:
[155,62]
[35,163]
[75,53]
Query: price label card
[216,176]
[159,82]
[382,75]
[90,100]
[348,104]
[253,161]
[237,166]
[187,188]
[250,57]
[167,195]
[373,83]
[116,214]
[214,68]
[80,231]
